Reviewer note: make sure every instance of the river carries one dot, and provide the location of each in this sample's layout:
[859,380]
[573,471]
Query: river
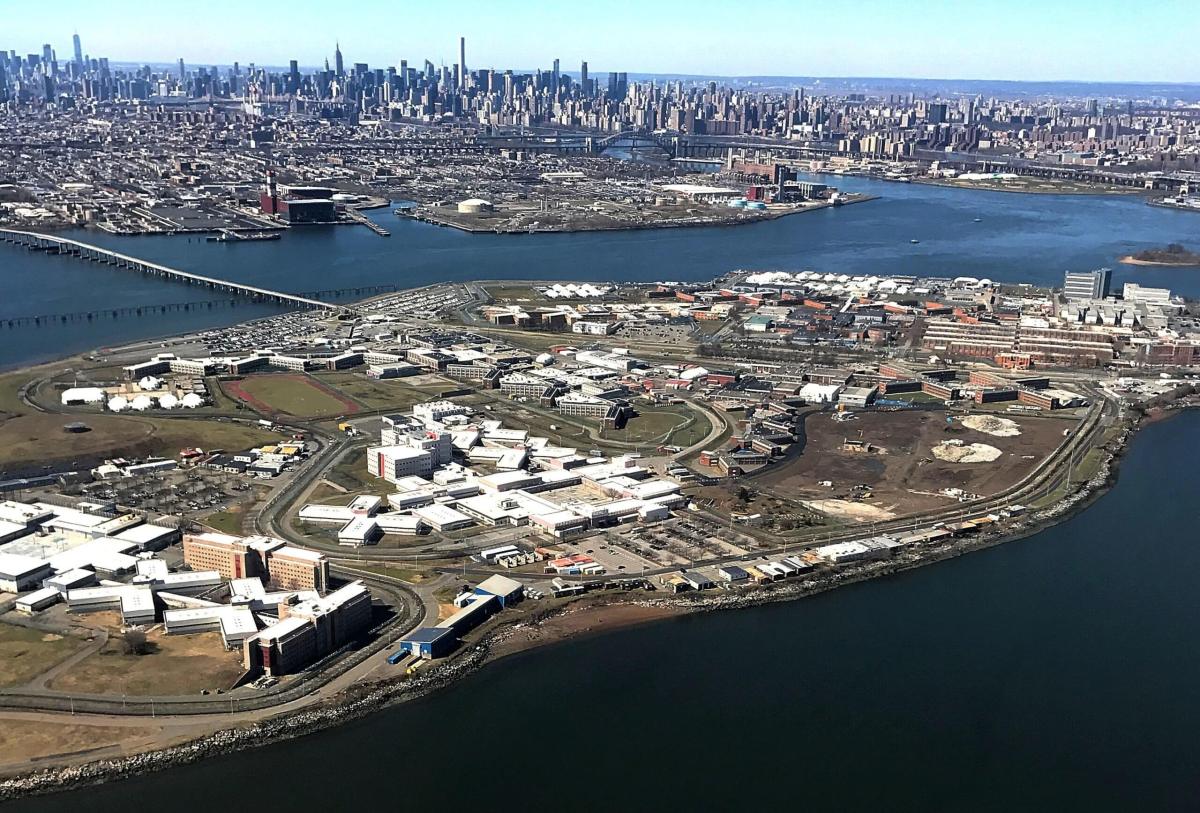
[1021,238]
[1053,673]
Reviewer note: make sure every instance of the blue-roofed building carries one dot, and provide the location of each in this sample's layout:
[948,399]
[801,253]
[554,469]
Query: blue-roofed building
[428,642]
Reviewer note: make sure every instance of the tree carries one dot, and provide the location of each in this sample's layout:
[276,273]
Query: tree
[134,642]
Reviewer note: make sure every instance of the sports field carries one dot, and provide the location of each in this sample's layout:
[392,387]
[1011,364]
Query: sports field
[295,395]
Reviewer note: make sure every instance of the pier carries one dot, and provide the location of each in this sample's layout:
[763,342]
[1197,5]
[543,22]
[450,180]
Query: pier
[359,217]
[36,241]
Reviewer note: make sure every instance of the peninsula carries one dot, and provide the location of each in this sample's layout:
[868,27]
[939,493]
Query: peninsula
[1173,255]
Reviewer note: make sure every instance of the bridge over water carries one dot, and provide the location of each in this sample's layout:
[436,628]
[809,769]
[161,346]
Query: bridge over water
[51,243]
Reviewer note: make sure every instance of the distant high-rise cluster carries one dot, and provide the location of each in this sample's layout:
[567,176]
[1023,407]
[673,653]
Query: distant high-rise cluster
[1087,132]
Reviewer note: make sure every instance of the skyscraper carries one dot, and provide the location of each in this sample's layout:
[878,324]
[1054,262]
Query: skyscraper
[78,50]
[339,68]
[462,57]
[555,79]
[583,80]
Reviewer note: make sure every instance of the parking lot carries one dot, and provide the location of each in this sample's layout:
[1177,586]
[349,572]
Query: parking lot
[678,333]
[420,304]
[174,492]
[679,542]
[284,330]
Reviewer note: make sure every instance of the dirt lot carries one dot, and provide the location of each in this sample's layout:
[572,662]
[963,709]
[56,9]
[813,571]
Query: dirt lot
[176,665]
[903,476]
[24,740]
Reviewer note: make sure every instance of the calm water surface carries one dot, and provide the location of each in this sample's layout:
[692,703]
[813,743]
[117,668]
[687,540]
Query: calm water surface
[1030,238]
[1056,673]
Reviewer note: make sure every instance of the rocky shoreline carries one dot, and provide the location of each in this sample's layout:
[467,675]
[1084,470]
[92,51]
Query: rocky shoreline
[358,702]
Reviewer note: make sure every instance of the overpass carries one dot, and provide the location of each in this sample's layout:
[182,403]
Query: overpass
[36,241]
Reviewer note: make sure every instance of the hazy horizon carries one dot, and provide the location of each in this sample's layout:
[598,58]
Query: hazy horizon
[1092,42]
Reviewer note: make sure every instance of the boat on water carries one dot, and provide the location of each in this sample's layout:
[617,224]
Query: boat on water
[914,241]
[241,237]
[977,220]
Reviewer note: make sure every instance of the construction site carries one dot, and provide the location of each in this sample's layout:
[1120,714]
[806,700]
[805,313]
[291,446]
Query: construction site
[878,465]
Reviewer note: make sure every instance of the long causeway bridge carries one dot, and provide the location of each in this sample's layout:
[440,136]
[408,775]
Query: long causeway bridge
[54,244]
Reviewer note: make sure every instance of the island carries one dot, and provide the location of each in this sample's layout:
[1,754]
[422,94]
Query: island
[1173,255]
[495,466]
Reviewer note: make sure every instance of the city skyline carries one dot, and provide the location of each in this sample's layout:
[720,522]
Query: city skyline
[936,41]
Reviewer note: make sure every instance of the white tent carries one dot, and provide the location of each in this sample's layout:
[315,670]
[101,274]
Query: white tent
[149,384]
[820,393]
[117,403]
[192,400]
[142,402]
[82,395]
[168,401]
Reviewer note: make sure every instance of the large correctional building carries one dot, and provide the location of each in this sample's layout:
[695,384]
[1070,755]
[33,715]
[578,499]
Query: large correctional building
[309,630]
[236,557]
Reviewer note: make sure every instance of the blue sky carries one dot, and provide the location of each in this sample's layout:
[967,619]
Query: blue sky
[1100,40]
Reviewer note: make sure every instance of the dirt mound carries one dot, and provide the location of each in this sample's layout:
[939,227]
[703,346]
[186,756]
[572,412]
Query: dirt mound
[955,451]
[991,425]
[847,509]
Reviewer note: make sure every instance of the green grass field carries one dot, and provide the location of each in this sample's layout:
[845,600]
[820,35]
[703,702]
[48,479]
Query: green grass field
[351,474]
[37,438]
[27,653]
[721,442]
[504,292]
[566,432]
[408,573]
[10,385]
[668,425]
[396,394]
[227,522]
[293,394]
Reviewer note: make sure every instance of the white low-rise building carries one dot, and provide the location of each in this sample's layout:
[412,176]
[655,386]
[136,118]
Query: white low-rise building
[20,573]
[234,623]
[359,531]
[442,517]
[843,552]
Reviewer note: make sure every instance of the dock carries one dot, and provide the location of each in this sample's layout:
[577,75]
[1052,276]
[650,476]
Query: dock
[359,217]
